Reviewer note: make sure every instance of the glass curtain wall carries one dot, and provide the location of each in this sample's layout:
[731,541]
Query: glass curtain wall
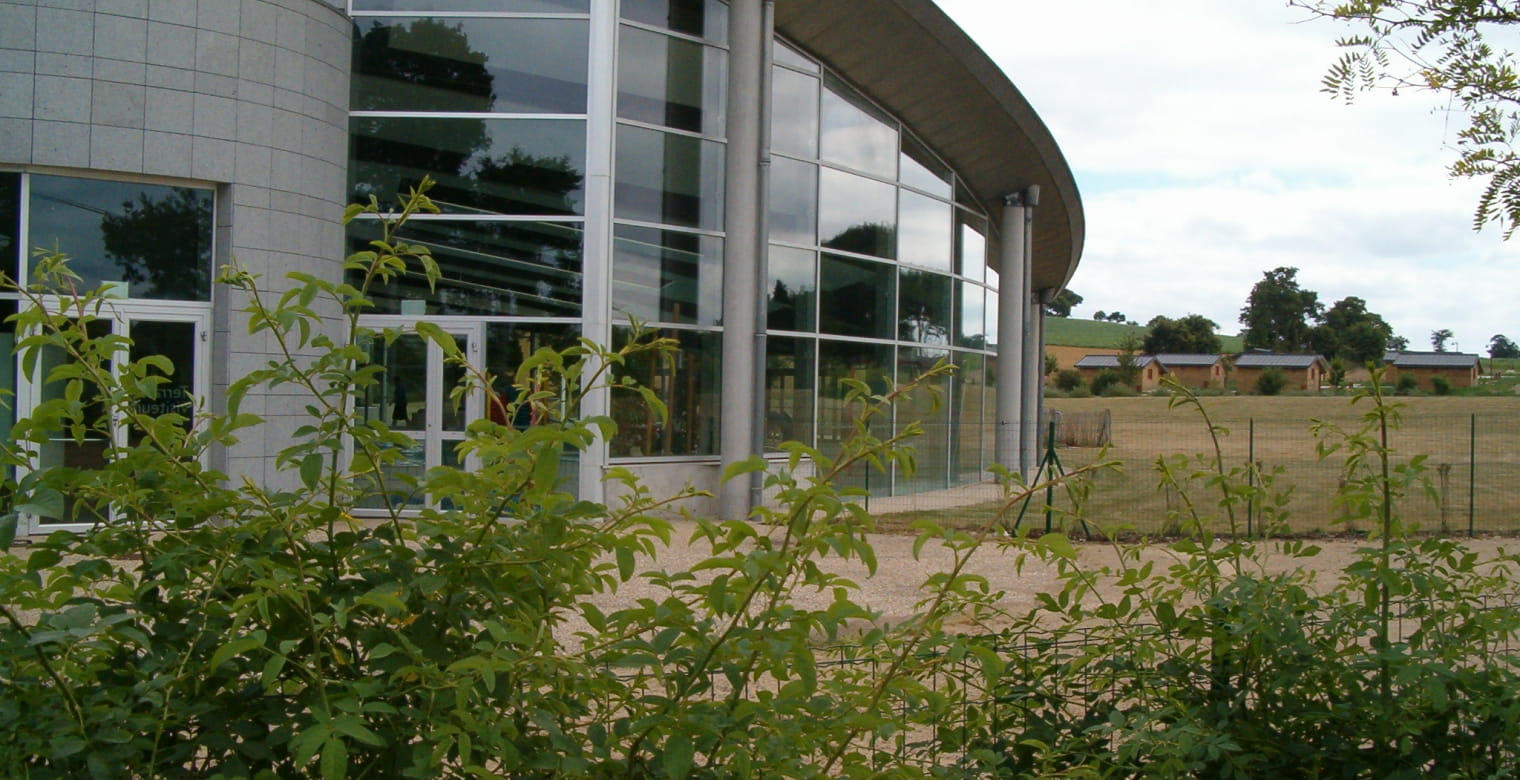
[667,254]
[489,100]
[877,272]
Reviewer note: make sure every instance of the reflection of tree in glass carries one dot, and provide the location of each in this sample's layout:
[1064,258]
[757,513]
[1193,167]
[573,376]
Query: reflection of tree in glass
[425,63]
[869,238]
[924,307]
[522,183]
[163,243]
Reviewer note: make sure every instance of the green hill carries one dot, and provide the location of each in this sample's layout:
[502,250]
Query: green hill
[1077,332]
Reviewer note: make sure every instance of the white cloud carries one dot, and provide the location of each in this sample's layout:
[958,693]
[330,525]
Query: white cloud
[1207,155]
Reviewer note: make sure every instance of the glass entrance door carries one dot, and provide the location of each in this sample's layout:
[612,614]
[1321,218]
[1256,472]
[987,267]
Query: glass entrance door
[155,329]
[415,396]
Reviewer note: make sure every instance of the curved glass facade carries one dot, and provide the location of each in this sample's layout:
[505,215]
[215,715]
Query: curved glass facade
[877,267]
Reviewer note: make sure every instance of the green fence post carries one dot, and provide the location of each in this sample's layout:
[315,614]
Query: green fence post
[1251,476]
[1472,474]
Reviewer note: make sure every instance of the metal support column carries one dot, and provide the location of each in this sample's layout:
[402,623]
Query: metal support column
[741,288]
[1013,302]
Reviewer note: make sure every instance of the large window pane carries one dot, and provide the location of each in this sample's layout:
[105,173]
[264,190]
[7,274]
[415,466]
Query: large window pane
[992,320]
[989,413]
[670,179]
[856,134]
[872,365]
[924,307]
[530,269]
[921,169]
[470,65]
[686,381]
[791,290]
[857,298]
[967,410]
[481,166]
[925,232]
[794,113]
[972,248]
[508,344]
[10,223]
[856,214]
[972,323]
[672,82]
[790,375]
[794,202]
[498,6]
[155,241]
[667,276]
[703,18]
[927,407]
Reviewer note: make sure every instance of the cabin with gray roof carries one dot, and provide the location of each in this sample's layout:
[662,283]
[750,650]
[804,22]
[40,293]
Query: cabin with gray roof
[1304,372]
[1457,368]
[1148,370]
[1194,371]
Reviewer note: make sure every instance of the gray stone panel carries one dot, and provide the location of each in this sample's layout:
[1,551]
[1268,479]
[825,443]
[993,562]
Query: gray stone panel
[181,12]
[65,32]
[256,62]
[76,66]
[171,78]
[167,153]
[61,143]
[171,45]
[17,61]
[170,110]
[219,16]
[216,53]
[69,5]
[16,140]
[116,149]
[16,95]
[212,159]
[215,117]
[121,72]
[134,8]
[120,38]
[258,21]
[290,29]
[62,99]
[255,124]
[18,26]
[253,165]
[119,105]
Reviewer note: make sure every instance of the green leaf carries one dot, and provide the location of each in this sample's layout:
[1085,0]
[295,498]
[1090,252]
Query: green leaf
[334,759]
[678,755]
[225,653]
[8,524]
[311,470]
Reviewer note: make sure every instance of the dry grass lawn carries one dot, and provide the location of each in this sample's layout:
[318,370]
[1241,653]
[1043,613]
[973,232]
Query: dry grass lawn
[1275,432]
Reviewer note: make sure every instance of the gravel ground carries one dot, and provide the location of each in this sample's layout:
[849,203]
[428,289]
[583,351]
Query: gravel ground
[895,592]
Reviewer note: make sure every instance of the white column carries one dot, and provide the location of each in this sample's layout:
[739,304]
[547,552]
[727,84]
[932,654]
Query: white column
[596,250]
[1013,301]
[741,209]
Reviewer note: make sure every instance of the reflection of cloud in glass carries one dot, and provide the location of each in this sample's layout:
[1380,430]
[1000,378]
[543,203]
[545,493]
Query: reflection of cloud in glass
[924,231]
[852,135]
[855,213]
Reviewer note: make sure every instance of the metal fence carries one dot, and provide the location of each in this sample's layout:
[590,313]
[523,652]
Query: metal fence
[1464,468]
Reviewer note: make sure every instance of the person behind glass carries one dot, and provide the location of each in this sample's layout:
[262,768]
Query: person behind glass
[504,395]
[398,402]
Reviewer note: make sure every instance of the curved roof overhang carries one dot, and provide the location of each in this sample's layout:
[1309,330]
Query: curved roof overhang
[913,60]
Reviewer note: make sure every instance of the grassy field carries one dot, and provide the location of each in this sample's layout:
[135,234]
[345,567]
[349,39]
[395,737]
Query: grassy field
[1078,332]
[1275,432]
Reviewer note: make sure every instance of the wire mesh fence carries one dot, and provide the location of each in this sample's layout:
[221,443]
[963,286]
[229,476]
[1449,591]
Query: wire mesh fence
[1466,468]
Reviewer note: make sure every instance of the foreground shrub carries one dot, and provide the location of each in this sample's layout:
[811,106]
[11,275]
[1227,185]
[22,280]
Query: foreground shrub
[1069,379]
[216,629]
[1104,380]
[1440,385]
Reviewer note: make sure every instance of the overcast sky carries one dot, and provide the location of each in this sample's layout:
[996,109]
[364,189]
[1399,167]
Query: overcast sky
[1206,155]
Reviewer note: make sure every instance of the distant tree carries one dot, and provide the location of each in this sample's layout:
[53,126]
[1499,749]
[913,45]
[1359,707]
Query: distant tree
[1337,373]
[1272,381]
[1398,343]
[1063,303]
[1192,334]
[1129,368]
[1100,315]
[1278,311]
[1118,317]
[1349,331]
[1068,379]
[1052,364]
[1501,347]
[1438,339]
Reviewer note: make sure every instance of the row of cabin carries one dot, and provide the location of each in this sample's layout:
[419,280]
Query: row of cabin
[1303,372]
